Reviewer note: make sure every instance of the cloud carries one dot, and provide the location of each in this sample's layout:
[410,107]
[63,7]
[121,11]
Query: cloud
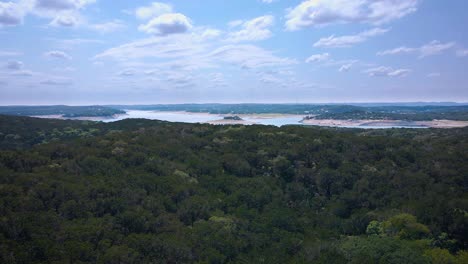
[58,55]
[108,27]
[11,14]
[173,46]
[23,73]
[192,51]
[350,40]
[182,60]
[249,56]
[64,13]
[60,5]
[432,48]
[57,81]
[462,53]
[398,50]
[387,72]
[268,1]
[65,20]
[235,23]
[78,41]
[211,33]
[167,24]
[318,58]
[253,30]
[326,12]
[345,68]
[127,73]
[153,10]
[14,65]
[9,53]
[180,80]
[217,80]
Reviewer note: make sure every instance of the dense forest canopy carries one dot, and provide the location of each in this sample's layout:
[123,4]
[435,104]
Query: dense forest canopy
[140,191]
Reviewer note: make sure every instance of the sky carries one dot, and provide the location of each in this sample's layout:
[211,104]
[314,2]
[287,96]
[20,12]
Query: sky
[82,52]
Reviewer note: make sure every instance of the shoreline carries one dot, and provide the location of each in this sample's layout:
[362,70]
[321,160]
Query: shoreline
[386,123]
[253,119]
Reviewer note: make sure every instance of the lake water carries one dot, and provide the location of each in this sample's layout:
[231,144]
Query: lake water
[185,117]
[168,116]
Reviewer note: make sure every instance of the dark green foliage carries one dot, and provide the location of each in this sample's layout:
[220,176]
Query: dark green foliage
[140,191]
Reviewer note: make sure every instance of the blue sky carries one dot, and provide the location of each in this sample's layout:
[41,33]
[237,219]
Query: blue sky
[197,51]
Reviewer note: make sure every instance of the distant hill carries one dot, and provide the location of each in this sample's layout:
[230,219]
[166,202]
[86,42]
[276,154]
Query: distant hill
[64,110]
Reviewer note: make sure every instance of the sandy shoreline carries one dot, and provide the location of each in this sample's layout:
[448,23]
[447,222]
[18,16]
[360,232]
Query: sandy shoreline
[386,123]
[231,122]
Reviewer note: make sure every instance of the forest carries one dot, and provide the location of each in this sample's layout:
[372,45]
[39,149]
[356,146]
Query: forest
[141,191]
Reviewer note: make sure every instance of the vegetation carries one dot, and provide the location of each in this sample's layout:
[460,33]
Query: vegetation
[140,191]
[375,114]
[236,118]
[65,111]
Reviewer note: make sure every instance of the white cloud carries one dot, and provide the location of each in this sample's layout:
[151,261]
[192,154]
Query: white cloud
[432,48]
[62,12]
[58,55]
[268,1]
[60,5]
[325,12]
[192,51]
[107,27]
[394,51]
[211,33]
[318,58]
[167,24]
[153,10]
[78,41]
[345,68]
[128,72]
[173,46]
[14,65]
[350,40]
[387,72]
[176,59]
[235,23]
[65,20]
[253,30]
[23,73]
[249,56]
[11,14]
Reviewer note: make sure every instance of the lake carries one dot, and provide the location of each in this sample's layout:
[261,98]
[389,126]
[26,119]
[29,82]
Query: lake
[186,117]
